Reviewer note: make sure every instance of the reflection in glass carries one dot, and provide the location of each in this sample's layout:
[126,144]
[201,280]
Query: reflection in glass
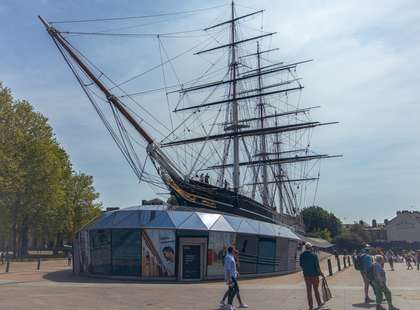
[126,252]
[100,241]
[217,249]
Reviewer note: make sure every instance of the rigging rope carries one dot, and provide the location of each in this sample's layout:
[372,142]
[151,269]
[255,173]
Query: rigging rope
[135,17]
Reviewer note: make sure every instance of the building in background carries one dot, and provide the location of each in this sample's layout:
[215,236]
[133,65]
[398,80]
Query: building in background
[404,227]
[376,232]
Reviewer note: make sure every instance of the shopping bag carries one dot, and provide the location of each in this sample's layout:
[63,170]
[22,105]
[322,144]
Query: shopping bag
[326,293]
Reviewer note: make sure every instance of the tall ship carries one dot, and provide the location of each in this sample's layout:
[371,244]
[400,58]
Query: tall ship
[234,138]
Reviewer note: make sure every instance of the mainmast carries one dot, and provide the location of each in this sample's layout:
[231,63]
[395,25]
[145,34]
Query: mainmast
[233,68]
[263,147]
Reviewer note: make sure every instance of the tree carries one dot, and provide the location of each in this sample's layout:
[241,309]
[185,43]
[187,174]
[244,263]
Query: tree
[317,219]
[172,200]
[41,197]
[349,241]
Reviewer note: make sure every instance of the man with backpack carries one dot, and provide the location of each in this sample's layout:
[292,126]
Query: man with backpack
[362,263]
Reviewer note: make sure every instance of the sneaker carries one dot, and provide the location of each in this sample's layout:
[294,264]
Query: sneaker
[243,306]
[222,303]
[230,307]
[368,300]
[393,308]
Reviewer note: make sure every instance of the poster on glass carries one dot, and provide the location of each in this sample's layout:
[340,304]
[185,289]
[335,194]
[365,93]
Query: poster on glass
[158,253]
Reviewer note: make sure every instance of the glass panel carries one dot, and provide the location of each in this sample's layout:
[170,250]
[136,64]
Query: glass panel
[105,220]
[161,221]
[178,217]
[158,253]
[222,225]
[246,228]
[84,251]
[292,257]
[126,219]
[208,218]
[217,249]
[193,223]
[282,248]
[247,246]
[266,255]
[100,241]
[266,229]
[233,221]
[126,252]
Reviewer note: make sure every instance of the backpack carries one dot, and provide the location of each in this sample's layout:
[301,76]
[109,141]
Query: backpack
[358,262]
[370,274]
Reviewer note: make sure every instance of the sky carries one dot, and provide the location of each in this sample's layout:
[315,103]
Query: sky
[365,74]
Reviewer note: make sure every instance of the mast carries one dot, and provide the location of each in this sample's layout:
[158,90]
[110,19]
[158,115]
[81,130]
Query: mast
[263,147]
[279,177]
[235,111]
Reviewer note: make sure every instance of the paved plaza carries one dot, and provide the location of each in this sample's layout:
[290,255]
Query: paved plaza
[55,287]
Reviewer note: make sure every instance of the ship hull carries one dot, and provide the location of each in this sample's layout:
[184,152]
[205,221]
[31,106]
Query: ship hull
[198,194]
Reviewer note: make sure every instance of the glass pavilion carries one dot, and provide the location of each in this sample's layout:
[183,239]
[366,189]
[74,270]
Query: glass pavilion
[179,243]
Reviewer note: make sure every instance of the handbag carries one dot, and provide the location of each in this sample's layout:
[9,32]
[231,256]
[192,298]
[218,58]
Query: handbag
[326,293]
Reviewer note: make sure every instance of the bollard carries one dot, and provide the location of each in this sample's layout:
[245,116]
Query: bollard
[338,264]
[330,271]
[7,265]
[344,262]
[39,264]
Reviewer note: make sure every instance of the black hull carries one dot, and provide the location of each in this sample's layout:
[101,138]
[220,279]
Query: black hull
[198,194]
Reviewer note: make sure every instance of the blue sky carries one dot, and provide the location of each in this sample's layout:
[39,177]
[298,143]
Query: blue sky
[366,75]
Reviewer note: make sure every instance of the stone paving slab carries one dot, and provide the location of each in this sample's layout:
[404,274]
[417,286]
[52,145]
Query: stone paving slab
[57,288]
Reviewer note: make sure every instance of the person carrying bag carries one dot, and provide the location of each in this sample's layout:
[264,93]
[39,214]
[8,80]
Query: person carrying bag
[325,290]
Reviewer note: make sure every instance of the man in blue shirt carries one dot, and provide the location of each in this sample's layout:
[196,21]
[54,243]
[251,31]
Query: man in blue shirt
[311,272]
[231,276]
[365,263]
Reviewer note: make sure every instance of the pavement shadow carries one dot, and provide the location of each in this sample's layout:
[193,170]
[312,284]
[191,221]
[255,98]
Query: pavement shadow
[364,305]
[67,276]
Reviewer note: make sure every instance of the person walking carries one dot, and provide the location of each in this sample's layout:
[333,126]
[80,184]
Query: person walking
[238,295]
[418,259]
[231,275]
[390,258]
[365,262]
[311,272]
[379,284]
[408,261]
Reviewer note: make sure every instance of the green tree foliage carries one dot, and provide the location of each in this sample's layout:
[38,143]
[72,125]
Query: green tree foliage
[172,200]
[353,238]
[319,222]
[41,198]
[349,241]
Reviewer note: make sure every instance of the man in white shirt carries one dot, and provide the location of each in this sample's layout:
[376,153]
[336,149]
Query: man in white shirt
[231,275]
